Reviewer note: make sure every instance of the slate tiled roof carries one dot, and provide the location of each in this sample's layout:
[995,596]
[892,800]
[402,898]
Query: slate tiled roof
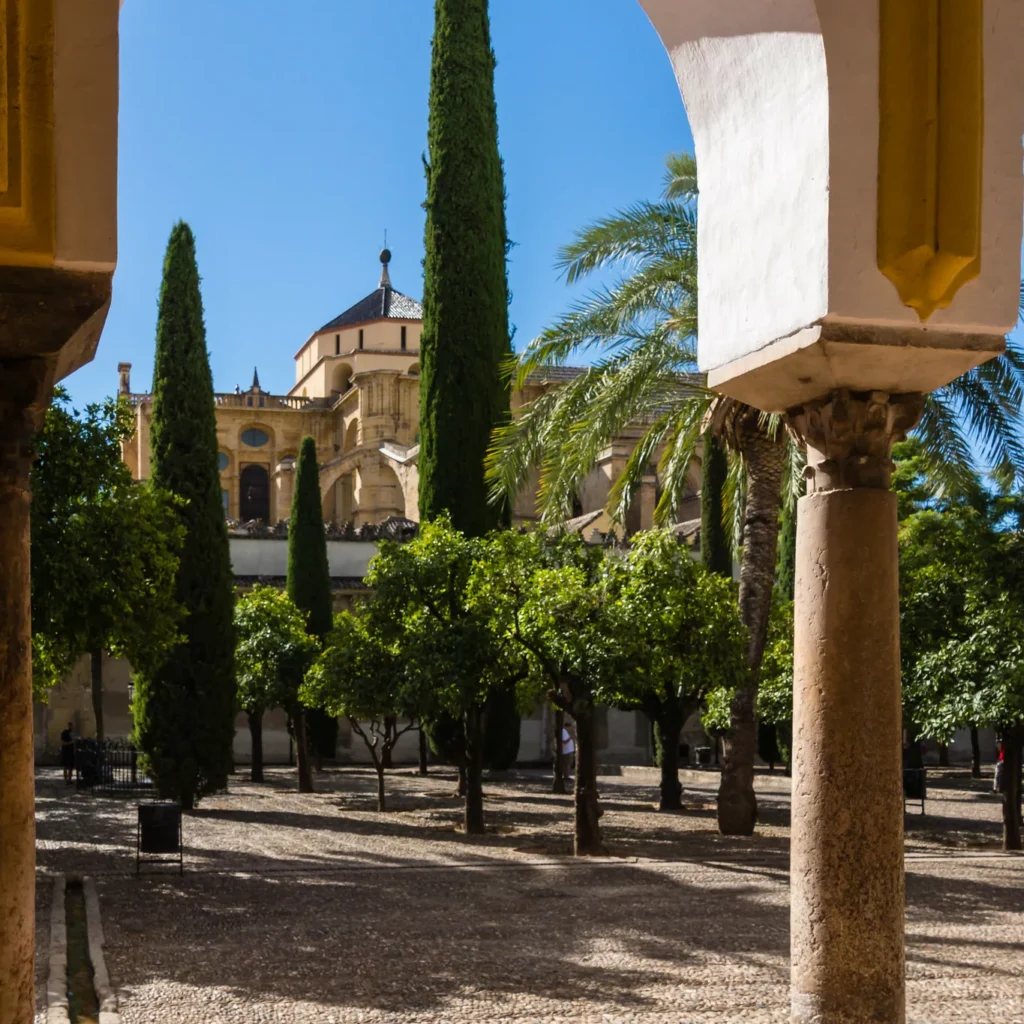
[384,304]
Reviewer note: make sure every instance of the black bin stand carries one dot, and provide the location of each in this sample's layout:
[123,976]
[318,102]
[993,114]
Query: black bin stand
[159,832]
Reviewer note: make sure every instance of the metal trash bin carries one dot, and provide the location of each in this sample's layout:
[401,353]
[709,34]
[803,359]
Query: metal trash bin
[159,832]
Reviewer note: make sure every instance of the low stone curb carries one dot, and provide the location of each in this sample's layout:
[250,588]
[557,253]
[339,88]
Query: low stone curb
[57,982]
[101,979]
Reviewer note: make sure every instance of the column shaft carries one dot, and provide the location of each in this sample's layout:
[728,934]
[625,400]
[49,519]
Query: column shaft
[17,796]
[847,891]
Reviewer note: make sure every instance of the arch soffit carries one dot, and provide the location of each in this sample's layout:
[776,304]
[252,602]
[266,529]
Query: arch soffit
[754,83]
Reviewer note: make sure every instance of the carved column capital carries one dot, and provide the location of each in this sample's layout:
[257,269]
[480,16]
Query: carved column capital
[849,436]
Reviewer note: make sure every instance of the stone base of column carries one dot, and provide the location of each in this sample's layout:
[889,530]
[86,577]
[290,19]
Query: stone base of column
[847,890]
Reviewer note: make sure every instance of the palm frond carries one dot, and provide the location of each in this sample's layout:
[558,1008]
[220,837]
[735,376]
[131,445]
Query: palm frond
[681,177]
[639,234]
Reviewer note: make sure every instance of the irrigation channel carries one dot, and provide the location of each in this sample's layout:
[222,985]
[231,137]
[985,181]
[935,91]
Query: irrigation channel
[83,1006]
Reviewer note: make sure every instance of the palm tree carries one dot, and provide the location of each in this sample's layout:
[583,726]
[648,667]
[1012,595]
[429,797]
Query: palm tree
[641,333]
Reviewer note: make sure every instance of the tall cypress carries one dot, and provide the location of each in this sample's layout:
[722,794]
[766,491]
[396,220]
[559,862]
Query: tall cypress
[309,577]
[785,568]
[463,395]
[185,711]
[715,549]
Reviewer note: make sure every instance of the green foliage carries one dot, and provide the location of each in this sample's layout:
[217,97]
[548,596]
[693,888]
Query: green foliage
[785,568]
[463,394]
[775,692]
[274,650]
[185,709]
[961,604]
[680,626]
[104,547]
[361,674]
[715,545]
[309,575]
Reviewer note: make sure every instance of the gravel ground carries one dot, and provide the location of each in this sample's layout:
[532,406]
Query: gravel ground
[315,908]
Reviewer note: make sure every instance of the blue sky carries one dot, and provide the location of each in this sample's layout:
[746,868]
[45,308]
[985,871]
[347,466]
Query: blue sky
[290,142]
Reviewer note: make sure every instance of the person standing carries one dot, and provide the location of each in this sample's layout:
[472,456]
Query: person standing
[998,781]
[568,746]
[67,753]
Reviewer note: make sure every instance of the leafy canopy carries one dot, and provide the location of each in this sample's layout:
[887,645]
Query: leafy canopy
[104,547]
[273,650]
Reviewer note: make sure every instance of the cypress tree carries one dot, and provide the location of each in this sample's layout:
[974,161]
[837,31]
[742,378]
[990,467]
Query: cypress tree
[463,394]
[309,577]
[715,549]
[785,569]
[185,711]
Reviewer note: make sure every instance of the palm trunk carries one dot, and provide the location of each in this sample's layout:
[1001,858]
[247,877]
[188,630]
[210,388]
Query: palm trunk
[1013,738]
[587,835]
[256,734]
[975,753]
[96,672]
[557,761]
[474,818]
[668,726]
[302,752]
[423,751]
[764,455]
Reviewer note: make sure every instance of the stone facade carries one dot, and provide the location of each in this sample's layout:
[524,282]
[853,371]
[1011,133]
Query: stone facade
[356,393]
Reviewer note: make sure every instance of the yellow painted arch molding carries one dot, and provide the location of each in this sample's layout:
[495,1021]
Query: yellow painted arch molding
[931,133]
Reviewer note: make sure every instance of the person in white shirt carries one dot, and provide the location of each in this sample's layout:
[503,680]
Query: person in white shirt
[568,752]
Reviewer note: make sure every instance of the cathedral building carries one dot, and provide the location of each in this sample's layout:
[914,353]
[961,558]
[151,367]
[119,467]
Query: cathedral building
[356,393]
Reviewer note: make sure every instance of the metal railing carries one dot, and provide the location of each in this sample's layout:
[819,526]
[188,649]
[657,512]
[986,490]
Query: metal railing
[109,766]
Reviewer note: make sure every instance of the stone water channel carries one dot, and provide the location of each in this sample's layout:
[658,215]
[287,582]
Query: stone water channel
[78,991]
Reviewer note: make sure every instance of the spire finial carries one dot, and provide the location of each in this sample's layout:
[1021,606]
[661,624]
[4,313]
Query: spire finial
[385,259]
[255,380]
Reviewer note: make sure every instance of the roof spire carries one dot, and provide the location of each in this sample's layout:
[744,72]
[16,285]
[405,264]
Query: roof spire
[255,380]
[385,259]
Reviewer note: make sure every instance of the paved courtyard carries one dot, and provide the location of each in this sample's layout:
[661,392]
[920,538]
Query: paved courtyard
[315,908]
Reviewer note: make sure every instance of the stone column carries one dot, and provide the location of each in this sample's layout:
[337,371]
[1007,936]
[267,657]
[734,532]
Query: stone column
[847,896]
[20,383]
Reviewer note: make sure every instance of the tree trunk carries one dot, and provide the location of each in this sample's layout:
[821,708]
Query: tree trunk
[256,734]
[765,456]
[96,672]
[380,786]
[423,751]
[975,753]
[668,726]
[302,752]
[1013,738]
[943,755]
[557,761]
[460,788]
[587,837]
[474,772]
[389,731]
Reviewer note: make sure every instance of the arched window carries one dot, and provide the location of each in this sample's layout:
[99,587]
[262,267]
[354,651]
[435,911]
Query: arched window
[222,461]
[254,494]
[254,437]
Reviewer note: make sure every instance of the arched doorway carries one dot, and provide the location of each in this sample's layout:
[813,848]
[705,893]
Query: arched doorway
[254,494]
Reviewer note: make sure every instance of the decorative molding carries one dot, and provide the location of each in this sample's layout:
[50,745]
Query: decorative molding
[931,131]
[849,437]
[27,163]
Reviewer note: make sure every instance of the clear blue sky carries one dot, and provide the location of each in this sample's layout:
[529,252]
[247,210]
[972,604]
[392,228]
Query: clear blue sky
[290,137]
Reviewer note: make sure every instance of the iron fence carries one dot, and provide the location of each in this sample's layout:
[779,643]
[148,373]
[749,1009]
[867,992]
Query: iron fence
[109,766]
